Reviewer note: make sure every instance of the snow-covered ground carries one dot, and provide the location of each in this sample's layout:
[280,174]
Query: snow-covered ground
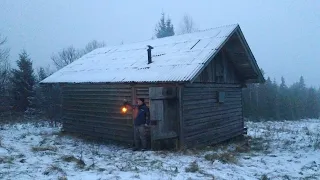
[274,150]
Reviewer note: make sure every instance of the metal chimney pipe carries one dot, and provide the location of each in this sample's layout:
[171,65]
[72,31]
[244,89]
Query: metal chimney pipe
[149,54]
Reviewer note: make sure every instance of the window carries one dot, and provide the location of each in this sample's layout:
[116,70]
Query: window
[221,96]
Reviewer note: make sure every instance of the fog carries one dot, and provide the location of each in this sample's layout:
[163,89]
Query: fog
[283,35]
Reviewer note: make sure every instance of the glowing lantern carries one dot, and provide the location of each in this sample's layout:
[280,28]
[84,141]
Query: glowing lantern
[124,110]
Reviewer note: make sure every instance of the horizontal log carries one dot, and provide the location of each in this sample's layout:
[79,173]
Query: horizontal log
[92,101]
[209,133]
[194,129]
[92,116]
[94,129]
[73,129]
[213,109]
[186,108]
[213,85]
[84,98]
[93,86]
[203,101]
[99,122]
[214,139]
[95,94]
[200,96]
[119,128]
[99,107]
[204,114]
[211,141]
[106,113]
[210,118]
[96,90]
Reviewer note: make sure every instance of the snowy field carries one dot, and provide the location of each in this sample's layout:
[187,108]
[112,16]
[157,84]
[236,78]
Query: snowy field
[273,150]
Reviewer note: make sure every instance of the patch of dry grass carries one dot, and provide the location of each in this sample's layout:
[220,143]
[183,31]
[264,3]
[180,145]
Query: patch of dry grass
[193,167]
[1,145]
[6,159]
[62,178]
[225,157]
[69,158]
[53,169]
[43,148]
[264,177]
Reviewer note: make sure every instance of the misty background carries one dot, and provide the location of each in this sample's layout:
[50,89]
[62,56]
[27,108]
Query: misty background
[283,35]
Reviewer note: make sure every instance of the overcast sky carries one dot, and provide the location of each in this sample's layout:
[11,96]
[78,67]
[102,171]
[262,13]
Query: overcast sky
[284,35]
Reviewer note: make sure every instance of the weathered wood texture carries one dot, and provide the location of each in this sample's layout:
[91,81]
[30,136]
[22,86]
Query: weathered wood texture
[94,110]
[220,70]
[164,109]
[205,120]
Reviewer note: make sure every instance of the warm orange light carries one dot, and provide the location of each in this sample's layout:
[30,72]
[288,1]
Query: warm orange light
[124,109]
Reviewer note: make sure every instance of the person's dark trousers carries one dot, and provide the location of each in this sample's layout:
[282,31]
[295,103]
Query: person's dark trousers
[140,136]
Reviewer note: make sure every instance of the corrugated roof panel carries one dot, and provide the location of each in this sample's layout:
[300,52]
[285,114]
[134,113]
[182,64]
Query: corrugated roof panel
[174,59]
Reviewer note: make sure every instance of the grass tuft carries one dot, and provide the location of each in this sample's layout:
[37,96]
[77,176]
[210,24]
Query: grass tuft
[226,157]
[53,169]
[264,177]
[6,159]
[193,167]
[43,148]
[80,163]
[62,178]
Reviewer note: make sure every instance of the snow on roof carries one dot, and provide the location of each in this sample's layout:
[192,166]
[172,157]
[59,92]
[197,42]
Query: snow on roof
[174,59]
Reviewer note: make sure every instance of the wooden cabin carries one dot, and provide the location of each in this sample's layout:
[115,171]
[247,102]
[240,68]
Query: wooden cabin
[192,84]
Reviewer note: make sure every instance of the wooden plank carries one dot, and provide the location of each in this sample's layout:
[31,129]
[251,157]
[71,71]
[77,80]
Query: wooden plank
[213,85]
[106,108]
[82,131]
[208,105]
[99,122]
[201,96]
[94,85]
[213,110]
[213,138]
[89,116]
[94,94]
[181,118]
[223,130]
[203,101]
[108,130]
[212,119]
[202,113]
[207,119]
[215,123]
[194,90]
[157,110]
[95,90]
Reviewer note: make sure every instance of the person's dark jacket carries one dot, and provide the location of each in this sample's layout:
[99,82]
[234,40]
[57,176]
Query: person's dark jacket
[143,115]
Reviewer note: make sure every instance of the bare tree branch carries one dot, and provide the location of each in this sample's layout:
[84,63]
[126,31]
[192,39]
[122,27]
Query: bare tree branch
[92,45]
[65,57]
[4,64]
[70,54]
[187,24]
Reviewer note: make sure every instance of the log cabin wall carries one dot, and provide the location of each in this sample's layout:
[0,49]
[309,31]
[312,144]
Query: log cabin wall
[205,119]
[212,106]
[94,110]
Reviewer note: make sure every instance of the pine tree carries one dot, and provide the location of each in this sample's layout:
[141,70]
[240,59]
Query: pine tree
[23,80]
[164,27]
[312,106]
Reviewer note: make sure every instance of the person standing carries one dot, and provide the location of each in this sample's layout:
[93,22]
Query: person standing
[141,121]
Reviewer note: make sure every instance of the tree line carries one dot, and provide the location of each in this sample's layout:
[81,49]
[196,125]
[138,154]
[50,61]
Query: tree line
[20,90]
[273,101]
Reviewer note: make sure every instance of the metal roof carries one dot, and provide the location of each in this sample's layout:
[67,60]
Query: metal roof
[174,59]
